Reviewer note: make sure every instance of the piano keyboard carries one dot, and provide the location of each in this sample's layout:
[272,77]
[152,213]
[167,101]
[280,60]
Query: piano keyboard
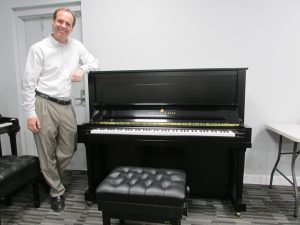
[164,132]
[5,124]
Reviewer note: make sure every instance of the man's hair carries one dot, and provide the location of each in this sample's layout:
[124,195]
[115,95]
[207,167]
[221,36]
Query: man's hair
[66,10]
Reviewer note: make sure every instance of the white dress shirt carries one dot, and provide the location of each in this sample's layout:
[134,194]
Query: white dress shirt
[48,69]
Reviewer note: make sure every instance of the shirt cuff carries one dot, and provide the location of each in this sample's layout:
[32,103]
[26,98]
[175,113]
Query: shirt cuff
[31,114]
[85,69]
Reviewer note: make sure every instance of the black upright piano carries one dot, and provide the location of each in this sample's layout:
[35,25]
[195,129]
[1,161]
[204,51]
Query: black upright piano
[11,127]
[191,119]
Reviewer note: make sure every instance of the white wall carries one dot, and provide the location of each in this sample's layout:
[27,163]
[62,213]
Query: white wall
[8,85]
[262,35]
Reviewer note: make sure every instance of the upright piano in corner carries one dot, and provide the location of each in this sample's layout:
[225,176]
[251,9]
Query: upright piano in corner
[189,119]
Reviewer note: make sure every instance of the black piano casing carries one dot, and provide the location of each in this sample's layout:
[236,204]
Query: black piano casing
[214,165]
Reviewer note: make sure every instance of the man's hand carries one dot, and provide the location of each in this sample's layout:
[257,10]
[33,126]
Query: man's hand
[77,75]
[33,124]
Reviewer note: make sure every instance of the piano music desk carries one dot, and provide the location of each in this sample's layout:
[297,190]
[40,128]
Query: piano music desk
[291,132]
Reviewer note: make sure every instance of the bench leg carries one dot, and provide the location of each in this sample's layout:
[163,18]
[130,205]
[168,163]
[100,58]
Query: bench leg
[44,184]
[36,193]
[8,200]
[106,219]
[175,221]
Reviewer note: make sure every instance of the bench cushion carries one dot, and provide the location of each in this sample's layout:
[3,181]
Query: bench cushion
[164,187]
[13,168]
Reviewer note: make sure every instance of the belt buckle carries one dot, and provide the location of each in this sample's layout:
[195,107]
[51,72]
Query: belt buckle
[63,101]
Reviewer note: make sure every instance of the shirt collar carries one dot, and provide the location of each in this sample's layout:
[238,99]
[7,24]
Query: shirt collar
[57,43]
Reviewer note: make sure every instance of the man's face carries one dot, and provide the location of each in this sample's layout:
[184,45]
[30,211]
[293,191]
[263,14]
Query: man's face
[62,25]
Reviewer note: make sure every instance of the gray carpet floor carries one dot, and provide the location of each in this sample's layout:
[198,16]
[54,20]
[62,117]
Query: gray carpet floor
[264,207]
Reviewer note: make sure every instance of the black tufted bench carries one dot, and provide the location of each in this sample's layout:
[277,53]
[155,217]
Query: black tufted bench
[17,171]
[144,194]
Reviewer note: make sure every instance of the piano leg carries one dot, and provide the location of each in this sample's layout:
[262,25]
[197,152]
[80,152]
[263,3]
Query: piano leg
[13,143]
[238,159]
[89,194]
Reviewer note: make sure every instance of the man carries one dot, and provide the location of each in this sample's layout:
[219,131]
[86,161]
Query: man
[53,64]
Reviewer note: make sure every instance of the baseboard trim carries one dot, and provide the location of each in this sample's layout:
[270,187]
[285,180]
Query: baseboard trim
[265,180]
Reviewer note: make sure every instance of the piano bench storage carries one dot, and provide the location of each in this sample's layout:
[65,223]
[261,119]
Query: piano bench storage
[16,172]
[143,194]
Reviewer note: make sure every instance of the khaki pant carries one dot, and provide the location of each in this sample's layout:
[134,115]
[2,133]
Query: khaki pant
[56,142]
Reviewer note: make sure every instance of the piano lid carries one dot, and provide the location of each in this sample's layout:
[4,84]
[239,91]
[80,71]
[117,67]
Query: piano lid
[178,94]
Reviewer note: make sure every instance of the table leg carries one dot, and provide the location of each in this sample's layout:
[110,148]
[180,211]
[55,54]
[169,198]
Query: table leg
[277,161]
[295,154]
[0,149]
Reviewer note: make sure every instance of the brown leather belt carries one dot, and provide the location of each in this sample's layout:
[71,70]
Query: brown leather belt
[57,100]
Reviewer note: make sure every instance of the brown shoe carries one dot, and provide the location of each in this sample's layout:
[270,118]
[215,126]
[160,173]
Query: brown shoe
[58,203]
